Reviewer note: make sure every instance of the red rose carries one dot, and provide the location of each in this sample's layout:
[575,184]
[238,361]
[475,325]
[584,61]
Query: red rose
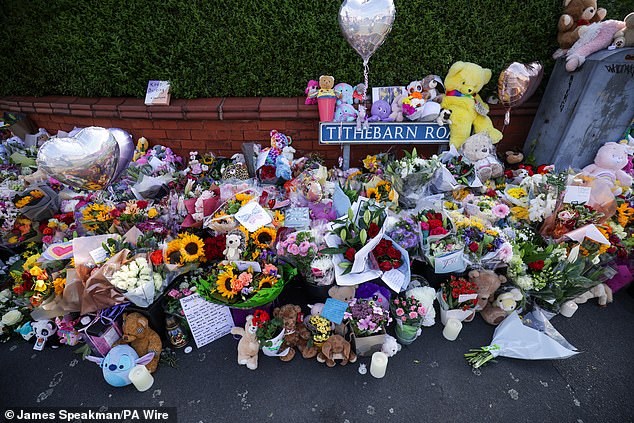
[438,231]
[438,216]
[491,193]
[473,247]
[156,257]
[396,264]
[349,254]
[380,250]
[115,212]
[48,231]
[19,290]
[373,230]
[508,174]
[393,253]
[385,266]
[536,265]
[141,204]
[435,223]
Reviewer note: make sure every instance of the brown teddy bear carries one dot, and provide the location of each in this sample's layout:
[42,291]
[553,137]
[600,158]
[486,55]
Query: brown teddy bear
[336,348]
[345,294]
[577,13]
[297,335]
[248,346]
[137,333]
[625,37]
[487,282]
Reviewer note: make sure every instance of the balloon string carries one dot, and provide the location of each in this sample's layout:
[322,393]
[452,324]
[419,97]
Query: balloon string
[507,118]
[366,71]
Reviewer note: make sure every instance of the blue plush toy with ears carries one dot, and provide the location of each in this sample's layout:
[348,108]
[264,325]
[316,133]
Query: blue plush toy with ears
[118,362]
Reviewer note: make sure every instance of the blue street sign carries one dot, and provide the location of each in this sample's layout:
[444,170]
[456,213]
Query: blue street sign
[383,133]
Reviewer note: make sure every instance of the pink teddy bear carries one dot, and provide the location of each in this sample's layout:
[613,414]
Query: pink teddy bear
[609,163]
[311,92]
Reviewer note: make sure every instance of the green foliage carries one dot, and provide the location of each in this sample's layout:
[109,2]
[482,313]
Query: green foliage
[213,48]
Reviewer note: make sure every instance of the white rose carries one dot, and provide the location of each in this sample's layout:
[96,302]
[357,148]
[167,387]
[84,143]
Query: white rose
[11,318]
[5,295]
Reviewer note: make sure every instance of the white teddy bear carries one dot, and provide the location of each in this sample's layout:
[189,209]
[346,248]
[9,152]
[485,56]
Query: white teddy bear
[478,149]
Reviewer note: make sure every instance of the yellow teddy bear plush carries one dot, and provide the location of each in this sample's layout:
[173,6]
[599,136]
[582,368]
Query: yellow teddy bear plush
[463,82]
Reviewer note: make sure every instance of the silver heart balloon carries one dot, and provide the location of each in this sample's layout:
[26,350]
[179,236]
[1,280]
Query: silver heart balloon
[86,161]
[366,23]
[126,150]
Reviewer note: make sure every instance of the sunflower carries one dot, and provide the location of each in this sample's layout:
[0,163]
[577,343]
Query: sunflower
[243,198]
[173,254]
[267,282]
[224,282]
[192,248]
[373,193]
[264,237]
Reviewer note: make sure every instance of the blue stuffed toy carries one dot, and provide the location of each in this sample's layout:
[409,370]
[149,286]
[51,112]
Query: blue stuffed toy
[118,362]
[345,113]
[344,92]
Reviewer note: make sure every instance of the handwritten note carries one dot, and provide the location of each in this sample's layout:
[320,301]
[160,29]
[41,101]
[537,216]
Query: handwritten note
[577,195]
[451,262]
[333,310]
[252,216]
[298,217]
[466,297]
[207,321]
[158,93]
[99,255]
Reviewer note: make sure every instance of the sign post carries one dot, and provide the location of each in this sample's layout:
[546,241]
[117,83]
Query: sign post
[348,134]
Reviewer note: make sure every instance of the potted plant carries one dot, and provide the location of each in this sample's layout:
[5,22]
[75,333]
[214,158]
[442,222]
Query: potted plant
[367,323]
[408,314]
[270,333]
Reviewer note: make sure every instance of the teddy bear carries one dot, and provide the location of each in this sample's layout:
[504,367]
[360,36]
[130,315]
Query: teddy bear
[380,112]
[297,335]
[602,292]
[577,13]
[234,244]
[144,340]
[487,282]
[478,149]
[463,83]
[44,331]
[390,346]
[625,37]
[357,95]
[501,307]
[432,88]
[345,294]
[513,157]
[326,84]
[336,348]
[397,108]
[592,38]
[416,107]
[444,117]
[248,346]
[311,92]
[608,164]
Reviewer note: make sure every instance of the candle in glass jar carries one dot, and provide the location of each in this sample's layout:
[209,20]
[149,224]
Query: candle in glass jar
[568,308]
[452,329]
[141,378]
[378,366]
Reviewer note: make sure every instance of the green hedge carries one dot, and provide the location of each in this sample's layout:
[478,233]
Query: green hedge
[213,48]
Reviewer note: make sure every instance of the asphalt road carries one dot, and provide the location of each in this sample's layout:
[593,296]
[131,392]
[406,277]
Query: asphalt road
[426,382]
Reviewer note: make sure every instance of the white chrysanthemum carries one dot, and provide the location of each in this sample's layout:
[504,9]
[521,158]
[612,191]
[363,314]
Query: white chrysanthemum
[525,282]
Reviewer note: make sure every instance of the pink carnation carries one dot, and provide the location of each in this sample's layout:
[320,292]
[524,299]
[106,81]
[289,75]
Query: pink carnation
[399,312]
[501,210]
[293,249]
[413,315]
[304,247]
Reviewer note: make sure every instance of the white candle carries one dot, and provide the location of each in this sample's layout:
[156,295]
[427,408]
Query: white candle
[378,365]
[141,378]
[568,308]
[452,329]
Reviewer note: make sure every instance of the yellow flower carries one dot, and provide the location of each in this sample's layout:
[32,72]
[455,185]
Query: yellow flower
[23,202]
[267,282]
[37,272]
[370,163]
[390,196]
[278,219]
[354,174]
[460,194]
[192,248]
[13,240]
[255,255]
[224,282]
[37,194]
[520,212]
[243,198]
[449,205]
[245,231]
[152,213]
[172,253]
[264,237]
[72,262]
[373,193]
[492,232]
[517,193]
[625,214]
[30,262]
[40,286]
[59,285]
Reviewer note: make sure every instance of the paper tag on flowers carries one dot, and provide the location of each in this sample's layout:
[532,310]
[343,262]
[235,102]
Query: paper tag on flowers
[99,255]
[298,217]
[577,195]
[252,216]
[394,279]
[334,309]
[466,297]
[448,263]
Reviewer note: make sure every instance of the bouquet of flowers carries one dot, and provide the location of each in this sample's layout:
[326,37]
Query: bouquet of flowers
[483,245]
[406,233]
[409,314]
[320,327]
[433,225]
[137,281]
[387,257]
[569,217]
[270,333]
[458,299]
[366,318]
[299,248]
[37,203]
[409,176]
[97,218]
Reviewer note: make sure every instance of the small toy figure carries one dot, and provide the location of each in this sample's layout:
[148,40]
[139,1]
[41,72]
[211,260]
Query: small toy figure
[311,92]
[381,112]
[249,346]
[357,95]
[336,348]
[141,149]
[118,362]
[234,247]
[43,330]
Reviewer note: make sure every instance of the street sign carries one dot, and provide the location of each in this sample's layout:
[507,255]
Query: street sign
[383,133]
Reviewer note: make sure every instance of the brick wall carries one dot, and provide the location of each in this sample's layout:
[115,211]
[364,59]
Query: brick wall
[221,125]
